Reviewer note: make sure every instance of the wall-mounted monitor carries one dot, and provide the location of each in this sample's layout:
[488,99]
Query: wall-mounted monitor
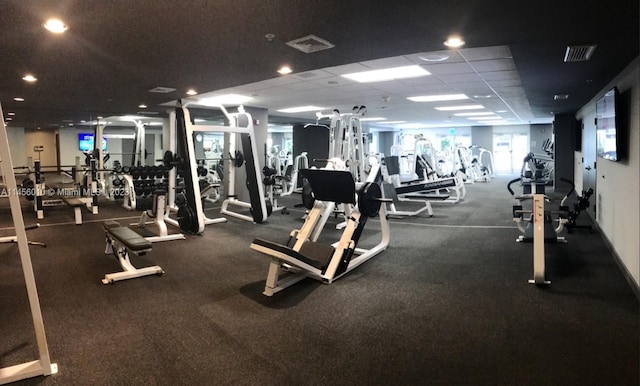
[85,142]
[608,130]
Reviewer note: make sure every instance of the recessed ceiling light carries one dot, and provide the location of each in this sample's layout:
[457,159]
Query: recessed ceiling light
[438,98]
[191,92]
[29,78]
[560,97]
[11,113]
[386,74]
[371,119]
[8,119]
[284,70]
[301,109]
[461,107]
[55,25]
[485,96]
[227,99]
[18,99]
[142,106]
[454,42]
[501,111]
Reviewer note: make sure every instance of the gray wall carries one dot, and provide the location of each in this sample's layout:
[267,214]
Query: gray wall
[482,136]
[618,183]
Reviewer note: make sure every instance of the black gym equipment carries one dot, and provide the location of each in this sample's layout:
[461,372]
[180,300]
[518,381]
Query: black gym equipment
[123,241]
[187,214]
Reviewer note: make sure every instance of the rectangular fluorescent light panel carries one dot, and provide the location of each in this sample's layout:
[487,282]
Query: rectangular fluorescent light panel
[438,98]
[372,119]
[403,72]
[461,107]
[301,109]
[486,118]
[495,122]
[476,114]
[392,122]
[228,99]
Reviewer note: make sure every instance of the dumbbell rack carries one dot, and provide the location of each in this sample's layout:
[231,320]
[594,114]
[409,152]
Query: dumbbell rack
[140,183]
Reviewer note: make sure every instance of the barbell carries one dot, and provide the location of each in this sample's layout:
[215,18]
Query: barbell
[170,159]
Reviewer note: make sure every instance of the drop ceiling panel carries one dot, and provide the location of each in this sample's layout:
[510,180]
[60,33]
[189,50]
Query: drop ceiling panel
[449,68]
[459,78]
[347,69]
[494,65]
[500,75]
[486,53]
[397,61]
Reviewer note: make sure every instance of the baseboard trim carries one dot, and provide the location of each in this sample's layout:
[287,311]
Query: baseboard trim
[635,288]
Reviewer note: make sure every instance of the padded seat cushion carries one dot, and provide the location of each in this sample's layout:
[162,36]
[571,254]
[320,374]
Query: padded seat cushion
[130,239]
[320,261]
[73,202]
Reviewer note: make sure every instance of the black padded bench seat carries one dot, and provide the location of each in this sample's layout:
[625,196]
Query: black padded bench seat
[127,237]
[77,205]
[321,253]
[428,186]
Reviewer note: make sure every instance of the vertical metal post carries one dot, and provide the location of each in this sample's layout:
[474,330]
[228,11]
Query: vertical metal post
[43,366]
[538,241]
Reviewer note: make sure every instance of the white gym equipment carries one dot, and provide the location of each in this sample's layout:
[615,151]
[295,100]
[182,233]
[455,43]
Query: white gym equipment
[157,213]
[42,365]
[539,228]
[303,256]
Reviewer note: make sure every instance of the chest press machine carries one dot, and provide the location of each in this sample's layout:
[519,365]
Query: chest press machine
[303,256]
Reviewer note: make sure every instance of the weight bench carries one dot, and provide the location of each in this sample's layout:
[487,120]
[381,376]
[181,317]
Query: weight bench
[77,205]
[121,241]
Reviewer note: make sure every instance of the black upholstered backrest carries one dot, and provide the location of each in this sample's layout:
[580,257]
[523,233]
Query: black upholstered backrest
[331,185]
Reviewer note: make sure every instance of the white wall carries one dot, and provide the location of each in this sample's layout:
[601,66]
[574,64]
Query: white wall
[15,135]
[46,139]
[618,183]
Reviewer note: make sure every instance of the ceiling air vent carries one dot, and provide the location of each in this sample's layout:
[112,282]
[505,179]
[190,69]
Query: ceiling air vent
[579,53]
[309,44]
[162,90]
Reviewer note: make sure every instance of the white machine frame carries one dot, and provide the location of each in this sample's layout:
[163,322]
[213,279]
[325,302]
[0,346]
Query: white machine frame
[285,271]
[42,365]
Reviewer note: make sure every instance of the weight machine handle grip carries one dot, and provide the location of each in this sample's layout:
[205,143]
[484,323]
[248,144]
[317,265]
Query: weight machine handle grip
[32,226]
[511,183]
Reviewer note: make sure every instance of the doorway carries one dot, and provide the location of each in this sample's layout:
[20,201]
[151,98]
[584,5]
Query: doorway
[509,150]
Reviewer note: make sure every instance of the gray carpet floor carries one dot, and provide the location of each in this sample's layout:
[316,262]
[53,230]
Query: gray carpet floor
[447,303]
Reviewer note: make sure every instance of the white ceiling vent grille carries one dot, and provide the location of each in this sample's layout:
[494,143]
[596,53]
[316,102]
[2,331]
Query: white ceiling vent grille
[579,53]
[162,90]
[309,44]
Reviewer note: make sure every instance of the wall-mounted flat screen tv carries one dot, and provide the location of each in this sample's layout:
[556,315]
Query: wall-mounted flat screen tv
[85,142]
[607,126]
